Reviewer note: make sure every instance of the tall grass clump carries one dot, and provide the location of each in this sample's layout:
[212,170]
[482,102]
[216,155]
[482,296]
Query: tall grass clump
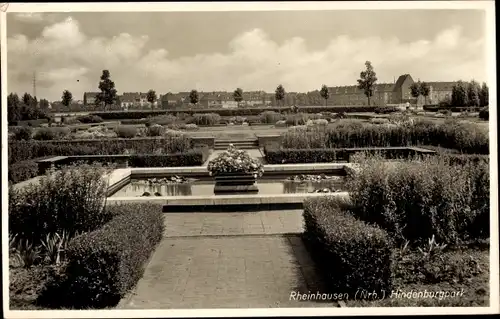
[305,137]
[417,199]
[206,119]
[462,136]
[69,200]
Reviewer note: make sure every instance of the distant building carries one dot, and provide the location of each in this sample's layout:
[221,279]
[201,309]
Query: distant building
[135,100]
[89,98]
[389,93]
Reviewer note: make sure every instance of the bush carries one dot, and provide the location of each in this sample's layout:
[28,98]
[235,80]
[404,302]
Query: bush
[352,255]
[416,200]
[191,158]
[51,133]
[484,114]
[386,110]
[69,200]
[304,137]
[155,130]
[23,133]
[134,121]
[22,171]
[103,265]
[206,119]
[126,131]
[293,156]
[86,119]
[270,117]
[166,119]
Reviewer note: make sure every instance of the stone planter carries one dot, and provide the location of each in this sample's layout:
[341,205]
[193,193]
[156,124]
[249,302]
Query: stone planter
[231,183]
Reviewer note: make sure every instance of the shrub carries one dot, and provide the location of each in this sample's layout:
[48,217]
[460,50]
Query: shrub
[270,117]
[352,255]
[134,121]
[191,127]
[126,131]
[87,119]
[191,158]
[292,156]
[416,200]
[305,137]
[386,110]
[103,265]
[69,200]
[484,114]
[166,119]
[206,119]
[155,130]
[22,171]
[51,133]
[22,133]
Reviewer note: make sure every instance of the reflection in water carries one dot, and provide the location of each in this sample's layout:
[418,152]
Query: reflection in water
[201,188]
[164,190]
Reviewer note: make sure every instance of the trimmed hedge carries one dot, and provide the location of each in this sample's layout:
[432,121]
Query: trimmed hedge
[22,171]
[34,123]
[24,150]
[191,158]
[351,254]
[103,265]
[87,119]
[292,156]
[118,115]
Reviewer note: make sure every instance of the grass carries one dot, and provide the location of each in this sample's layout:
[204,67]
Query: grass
[475,288]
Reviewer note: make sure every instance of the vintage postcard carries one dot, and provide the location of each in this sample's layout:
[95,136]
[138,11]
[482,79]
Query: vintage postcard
[249,159]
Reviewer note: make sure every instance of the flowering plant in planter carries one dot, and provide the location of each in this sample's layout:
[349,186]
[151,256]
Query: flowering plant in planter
[234,161]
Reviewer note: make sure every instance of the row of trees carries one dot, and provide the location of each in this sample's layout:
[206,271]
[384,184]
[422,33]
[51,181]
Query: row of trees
[26,108]
[470,94]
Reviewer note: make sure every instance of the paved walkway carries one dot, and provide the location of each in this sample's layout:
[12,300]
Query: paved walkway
[219,260]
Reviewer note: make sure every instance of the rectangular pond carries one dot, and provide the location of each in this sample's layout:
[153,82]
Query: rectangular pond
[205,187]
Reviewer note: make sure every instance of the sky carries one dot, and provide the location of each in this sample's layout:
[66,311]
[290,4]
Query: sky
[220,51]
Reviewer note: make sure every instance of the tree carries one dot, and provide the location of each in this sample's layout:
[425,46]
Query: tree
[193,97]
[473,94]
[279,94]
[27,99]
[459,95]
[13,108]
[238,95]
[66,98]
[415,90]
[425,90]
[44,104]
[484,95]
[325,93]
[151,97]
[367,80]
[107,96]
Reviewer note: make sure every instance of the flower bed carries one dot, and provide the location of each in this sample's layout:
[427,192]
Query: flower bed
[234,161]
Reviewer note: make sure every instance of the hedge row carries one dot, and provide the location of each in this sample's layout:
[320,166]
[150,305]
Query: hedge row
[22,171]
[436,108]
[25,150]
[119,115]
[293,156]
[34,123]
[352,255]
[103,265]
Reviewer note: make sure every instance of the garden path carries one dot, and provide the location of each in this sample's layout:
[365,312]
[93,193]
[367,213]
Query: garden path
[228,260]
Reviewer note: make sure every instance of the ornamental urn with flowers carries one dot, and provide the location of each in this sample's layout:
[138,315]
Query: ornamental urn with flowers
[235,171]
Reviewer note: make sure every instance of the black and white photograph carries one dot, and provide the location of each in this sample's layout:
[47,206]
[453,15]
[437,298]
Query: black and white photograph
[249,159]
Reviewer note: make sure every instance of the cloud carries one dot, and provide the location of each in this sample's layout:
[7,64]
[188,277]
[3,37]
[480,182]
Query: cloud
[30,17]
[65,58]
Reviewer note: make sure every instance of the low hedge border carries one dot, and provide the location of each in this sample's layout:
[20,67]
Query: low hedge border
[22,171]
[103,265]
[351,254]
